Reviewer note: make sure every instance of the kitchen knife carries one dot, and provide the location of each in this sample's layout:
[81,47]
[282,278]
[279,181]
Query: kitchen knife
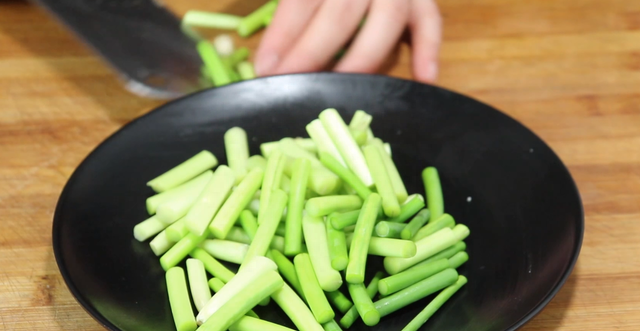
[142,40]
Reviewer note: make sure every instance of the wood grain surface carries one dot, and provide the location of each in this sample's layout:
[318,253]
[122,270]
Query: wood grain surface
[567,69]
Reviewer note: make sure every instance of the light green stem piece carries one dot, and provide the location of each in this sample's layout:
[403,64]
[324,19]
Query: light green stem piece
[271,181]
[224,45]
[360,121]
[392,247]
[337,242]
[351,316]
[315,236]
[249,223]
[444,221]
[415,224]
[347,190]
[198,283]
[345,174]
[161,243]
[290,148]
[323,206]
[296,309]
[268,19]
[245,70]
[179,299]
[293,222]
[433,191]
[248,323]
[399,281]
[339,300]
[236,146]
[233,75]
[213,266]
[386,229]
[287,270]
[331,326]
[215,284]
[347,146]
[444,254]
[313,293]
[359,125]
[415,292]
[255,270]
[394,175]
[459,259]
[172,210]
[177,230]
[427,247]
[213,63]
[239,55]
[389,246]
[225,250]
[148,228]
[196,184]
[342,220]
[362,236]
[180,250]
[211,20]
[435,304]
[364,305]
[256,161]
[211,198]
[237,201]
[316,131]
[370,136]
[308,144]
[268,147]
[183,172]
[267,229]
[414,196]
[242,302]
[256,20]
[238,234]
[360,137]
[322,181]
[408,209]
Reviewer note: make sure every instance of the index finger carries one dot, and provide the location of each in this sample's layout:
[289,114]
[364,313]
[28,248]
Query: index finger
[288,24]
[331,28]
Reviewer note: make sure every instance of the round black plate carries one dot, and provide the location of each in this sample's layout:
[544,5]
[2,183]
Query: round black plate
[507,185]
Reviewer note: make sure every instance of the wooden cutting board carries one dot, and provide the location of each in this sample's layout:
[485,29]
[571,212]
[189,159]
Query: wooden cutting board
[567,69]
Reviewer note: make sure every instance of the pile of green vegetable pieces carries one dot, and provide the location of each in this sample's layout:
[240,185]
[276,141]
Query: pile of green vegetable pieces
[223,64]
[301,220]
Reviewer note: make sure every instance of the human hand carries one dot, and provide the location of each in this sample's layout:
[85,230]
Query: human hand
[305,35]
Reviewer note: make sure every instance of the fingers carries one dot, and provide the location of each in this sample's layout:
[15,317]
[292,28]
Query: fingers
[426,33]
[288,24]
[385,23]
[331,27]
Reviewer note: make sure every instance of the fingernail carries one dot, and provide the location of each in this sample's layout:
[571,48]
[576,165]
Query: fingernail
[266,64]
[432,72]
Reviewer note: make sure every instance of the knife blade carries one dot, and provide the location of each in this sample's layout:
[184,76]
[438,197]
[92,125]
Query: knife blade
[142,40]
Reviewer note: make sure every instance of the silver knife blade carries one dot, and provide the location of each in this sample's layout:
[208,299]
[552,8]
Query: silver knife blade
[140,39]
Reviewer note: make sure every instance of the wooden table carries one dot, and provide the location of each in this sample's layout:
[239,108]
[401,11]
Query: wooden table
[568,69]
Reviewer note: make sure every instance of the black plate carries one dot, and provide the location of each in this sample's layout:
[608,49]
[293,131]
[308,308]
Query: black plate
[507,185]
